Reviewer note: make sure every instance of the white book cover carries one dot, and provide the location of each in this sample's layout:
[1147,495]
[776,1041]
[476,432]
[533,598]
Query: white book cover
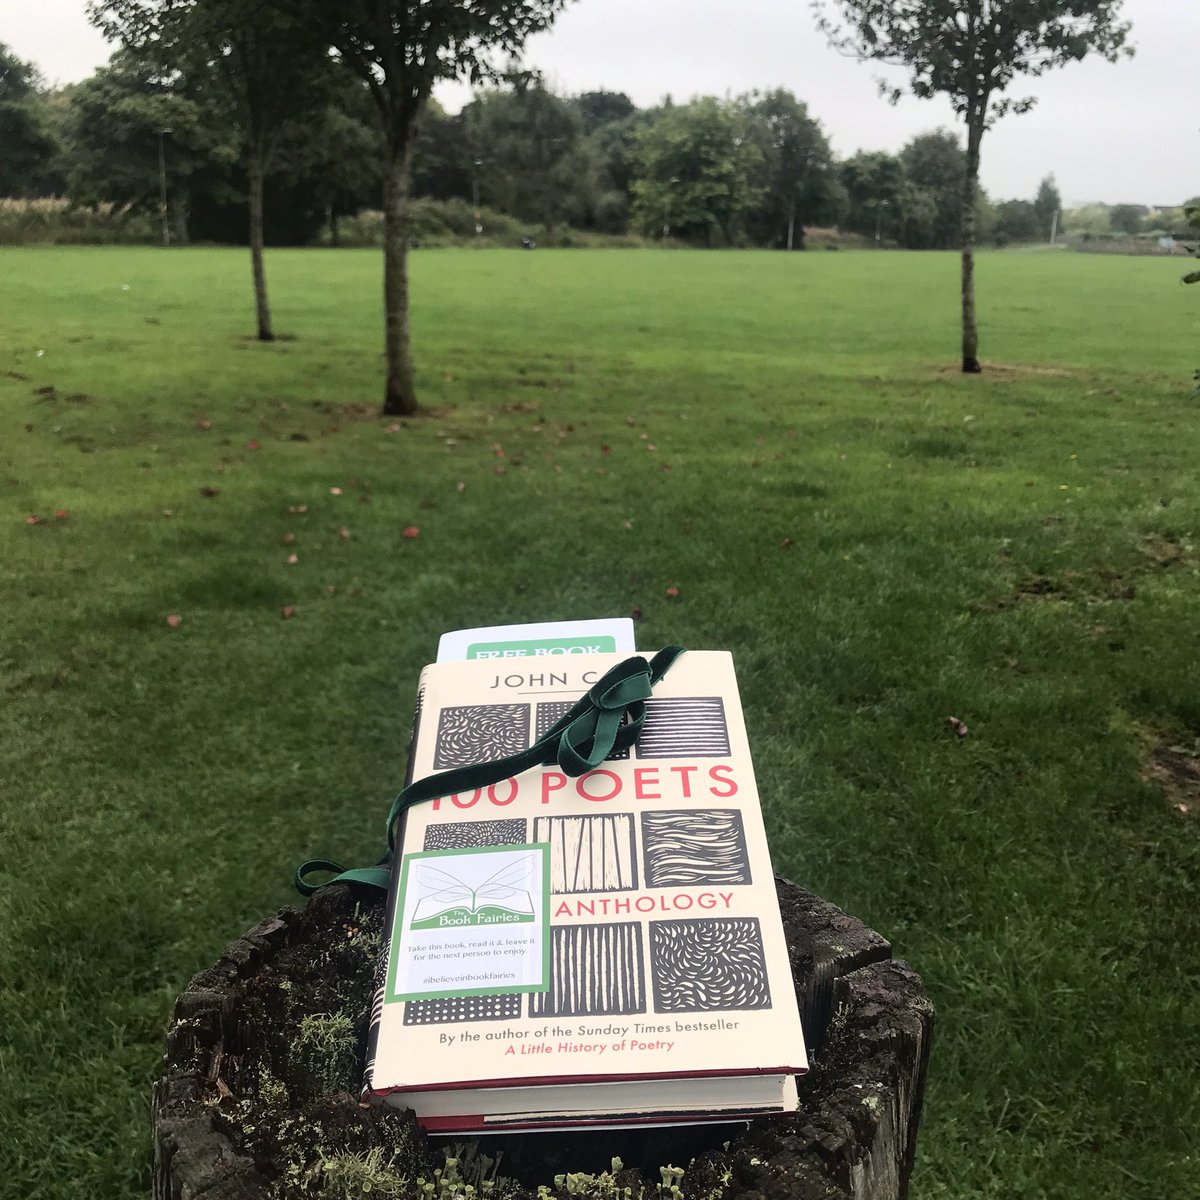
[549,934]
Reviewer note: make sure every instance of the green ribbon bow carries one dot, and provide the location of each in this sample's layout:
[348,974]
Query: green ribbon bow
[605,721]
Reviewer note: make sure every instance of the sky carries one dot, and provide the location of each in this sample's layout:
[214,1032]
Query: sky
[1124,133]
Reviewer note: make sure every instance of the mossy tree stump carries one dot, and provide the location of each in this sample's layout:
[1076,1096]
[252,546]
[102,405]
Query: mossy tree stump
[258,1092]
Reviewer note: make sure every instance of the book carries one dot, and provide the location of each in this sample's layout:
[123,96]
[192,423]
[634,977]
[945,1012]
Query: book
[600,950]
[544,639]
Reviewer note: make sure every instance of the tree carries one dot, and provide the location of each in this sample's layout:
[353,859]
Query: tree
[970,51]
[400,49]
[874,184]
[1191,214]
[26,146]
[797,168]
[696,171]
[536,165]
[935,163]
[1048,204]
[1017,221]
[1128,218]
[258,66]
[122,154]
[603,108]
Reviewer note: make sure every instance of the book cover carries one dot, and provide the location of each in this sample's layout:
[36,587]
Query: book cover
[585,949]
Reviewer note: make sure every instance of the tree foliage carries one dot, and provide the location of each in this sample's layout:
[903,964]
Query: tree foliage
[697,166]
[1047,203]
[797,178]
[534,162]
[27,147]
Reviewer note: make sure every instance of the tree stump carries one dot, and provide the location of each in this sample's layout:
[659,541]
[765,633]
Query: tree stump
[258,1095]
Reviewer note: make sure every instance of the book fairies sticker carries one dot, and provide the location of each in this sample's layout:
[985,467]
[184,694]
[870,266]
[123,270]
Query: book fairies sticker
[470,922]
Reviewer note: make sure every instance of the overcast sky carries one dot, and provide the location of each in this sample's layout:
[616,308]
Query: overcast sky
[1123,133]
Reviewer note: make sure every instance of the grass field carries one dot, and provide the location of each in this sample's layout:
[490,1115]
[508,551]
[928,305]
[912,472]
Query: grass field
[882,543]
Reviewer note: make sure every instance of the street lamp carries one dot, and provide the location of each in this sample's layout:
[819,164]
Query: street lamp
[475,194]
[162,185]
[667,210]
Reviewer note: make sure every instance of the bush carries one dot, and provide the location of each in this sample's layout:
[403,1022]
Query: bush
[58,222]
[452,223]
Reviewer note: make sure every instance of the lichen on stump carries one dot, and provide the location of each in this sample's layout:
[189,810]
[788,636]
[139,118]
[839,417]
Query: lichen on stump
[258,1096]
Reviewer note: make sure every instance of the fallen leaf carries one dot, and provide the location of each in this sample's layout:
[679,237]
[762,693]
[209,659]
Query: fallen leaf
[651,446]
[499,470]
[288,538]
[411,532]
[293,559]
[427,503]
[33,520]
[788,543]
[287,612]
[635,613]
[335,491]
[672,592]
[168,512]
[174,620]
[208,492]
[204,423]
[252,445]
[628,525]
[60,514]
[460,486]
[331,590]
[957,726]
[605,450]
[499,449]
[394,427]
[343,534]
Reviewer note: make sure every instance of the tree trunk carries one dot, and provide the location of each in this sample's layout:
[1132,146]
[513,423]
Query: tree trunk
[261,306]
[331,217]
[970,331]
[179,218]
[240,1111]
[400,397]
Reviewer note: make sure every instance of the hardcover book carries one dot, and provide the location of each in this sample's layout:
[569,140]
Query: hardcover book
[599,950]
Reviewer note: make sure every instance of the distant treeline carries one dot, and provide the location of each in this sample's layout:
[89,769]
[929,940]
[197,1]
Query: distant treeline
[517,161]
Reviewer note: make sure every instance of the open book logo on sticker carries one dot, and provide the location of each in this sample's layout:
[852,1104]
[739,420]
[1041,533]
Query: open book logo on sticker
[471,921]
[446,900]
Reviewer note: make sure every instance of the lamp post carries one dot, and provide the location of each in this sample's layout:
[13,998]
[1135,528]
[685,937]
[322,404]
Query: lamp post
[162,185]
[667,209]
[880,205]
[475,197]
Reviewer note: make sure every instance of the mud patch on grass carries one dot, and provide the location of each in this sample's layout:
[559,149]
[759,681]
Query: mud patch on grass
[1175,770]
[1103,586]
[999,370]
[1165,550]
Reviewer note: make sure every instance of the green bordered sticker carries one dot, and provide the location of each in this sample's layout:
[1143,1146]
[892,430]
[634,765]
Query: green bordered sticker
[543,648]
[471,922]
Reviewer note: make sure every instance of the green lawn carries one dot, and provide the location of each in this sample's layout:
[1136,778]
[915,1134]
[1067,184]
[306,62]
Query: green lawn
[882,542]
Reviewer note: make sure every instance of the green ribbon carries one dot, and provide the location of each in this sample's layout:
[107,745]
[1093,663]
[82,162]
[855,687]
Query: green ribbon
[605,721]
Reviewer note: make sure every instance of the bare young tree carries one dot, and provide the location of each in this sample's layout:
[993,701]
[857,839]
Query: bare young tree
[245,60]
[401,48]
[971,51]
